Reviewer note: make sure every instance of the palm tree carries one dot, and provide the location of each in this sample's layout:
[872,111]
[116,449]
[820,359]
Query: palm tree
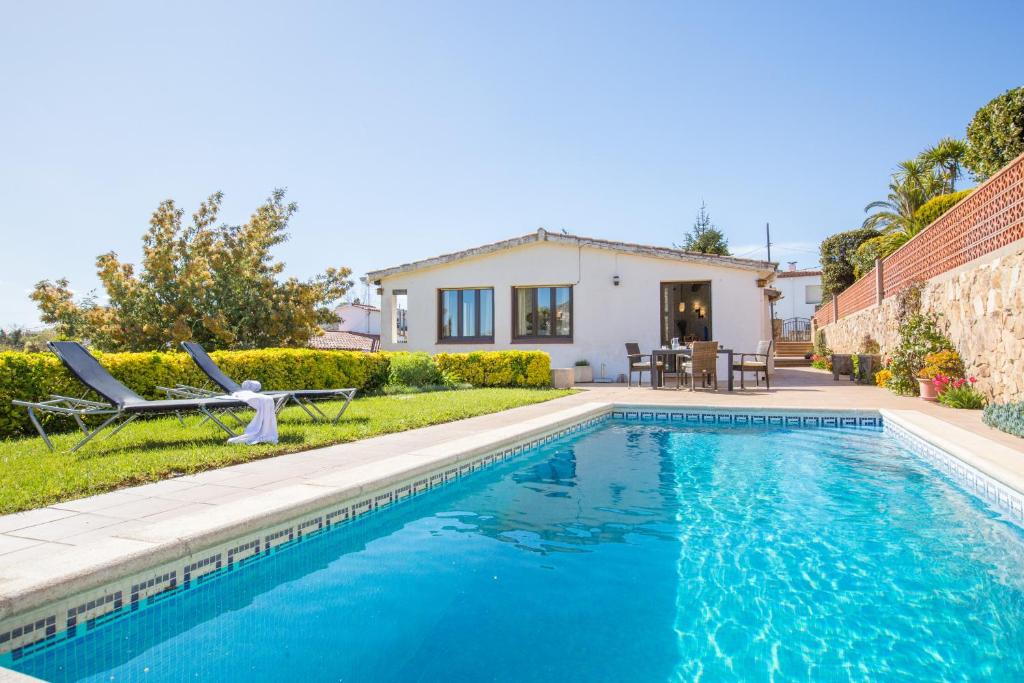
[912,184]
[946,158]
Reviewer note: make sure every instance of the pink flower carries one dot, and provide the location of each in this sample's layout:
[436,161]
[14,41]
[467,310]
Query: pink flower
[973,380]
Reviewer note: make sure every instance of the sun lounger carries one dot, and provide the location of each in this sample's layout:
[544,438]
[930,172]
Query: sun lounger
[304,398]
[120,406]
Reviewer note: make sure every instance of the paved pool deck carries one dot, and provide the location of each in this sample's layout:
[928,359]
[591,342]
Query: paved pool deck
[47,552]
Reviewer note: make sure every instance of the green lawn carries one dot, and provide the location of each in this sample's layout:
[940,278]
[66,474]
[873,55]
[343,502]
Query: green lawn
[31,476]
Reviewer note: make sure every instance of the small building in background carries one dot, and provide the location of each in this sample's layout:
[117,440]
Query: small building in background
[357,330]
[356,317]
[801,293]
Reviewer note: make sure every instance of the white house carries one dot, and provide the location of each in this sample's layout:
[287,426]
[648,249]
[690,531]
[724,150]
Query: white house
[801,293]
[357,317]
[575,298]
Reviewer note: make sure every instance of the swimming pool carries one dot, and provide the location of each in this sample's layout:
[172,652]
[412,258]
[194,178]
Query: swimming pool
[628,551]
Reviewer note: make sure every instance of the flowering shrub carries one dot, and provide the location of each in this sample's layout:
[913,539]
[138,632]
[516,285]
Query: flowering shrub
[882,377]
[946,362]
[920,337]
[821,362]
[958,392]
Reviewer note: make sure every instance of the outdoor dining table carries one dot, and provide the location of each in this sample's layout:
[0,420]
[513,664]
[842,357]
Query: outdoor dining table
[657,372]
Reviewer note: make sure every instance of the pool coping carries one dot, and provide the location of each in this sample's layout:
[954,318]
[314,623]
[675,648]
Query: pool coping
[65,580]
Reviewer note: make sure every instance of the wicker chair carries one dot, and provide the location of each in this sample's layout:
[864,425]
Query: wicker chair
[637,363]
[703,362]
[756,362]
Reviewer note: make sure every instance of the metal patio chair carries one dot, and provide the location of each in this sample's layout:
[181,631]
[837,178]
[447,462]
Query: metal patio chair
[121,405]
[756,362]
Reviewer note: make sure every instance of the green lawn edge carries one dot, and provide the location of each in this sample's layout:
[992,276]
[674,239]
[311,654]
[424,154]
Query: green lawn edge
[157,449]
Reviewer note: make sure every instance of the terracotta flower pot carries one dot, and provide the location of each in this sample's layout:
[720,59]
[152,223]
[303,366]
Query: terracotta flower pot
[928,392]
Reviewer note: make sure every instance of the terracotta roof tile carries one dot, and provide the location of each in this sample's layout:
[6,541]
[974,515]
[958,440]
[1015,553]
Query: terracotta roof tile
[345,341]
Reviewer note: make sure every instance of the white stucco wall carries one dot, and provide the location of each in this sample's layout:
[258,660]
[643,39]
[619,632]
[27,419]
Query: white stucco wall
[605,316]
[357,319]
[793,303]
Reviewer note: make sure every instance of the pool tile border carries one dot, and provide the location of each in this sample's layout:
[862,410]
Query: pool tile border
[752,417]
[993,493]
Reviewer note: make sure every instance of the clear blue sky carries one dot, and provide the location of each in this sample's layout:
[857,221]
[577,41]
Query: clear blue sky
[404,130]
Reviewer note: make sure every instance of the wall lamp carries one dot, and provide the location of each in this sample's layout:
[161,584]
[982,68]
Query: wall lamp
[615,280]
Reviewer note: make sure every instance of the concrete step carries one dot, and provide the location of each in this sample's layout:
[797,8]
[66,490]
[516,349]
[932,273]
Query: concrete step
[784,348]
[792,362]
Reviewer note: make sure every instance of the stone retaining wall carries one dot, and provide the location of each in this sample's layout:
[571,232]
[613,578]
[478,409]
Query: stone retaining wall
[980,307]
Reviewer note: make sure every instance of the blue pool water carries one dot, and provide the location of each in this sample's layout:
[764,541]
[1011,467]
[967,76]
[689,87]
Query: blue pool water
[629,552]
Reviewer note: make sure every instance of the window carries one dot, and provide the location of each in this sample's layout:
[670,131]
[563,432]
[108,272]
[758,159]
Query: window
[465,315]
[542,314]
[812,294]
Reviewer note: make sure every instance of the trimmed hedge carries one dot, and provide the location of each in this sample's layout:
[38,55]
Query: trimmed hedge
[1008,417]
[34,376]
[498,368]
[932,209]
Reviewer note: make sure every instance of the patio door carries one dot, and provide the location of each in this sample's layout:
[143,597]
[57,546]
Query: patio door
[686,311]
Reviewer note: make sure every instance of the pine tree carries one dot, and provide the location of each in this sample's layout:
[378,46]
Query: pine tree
[705,237]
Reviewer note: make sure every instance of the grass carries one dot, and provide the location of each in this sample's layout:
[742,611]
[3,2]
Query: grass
[145,451]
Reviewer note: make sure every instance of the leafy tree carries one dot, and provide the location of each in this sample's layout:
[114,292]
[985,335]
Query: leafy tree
[837,253]
[995,136]
[705,237]
[946,158]
[911,186]
[215,284]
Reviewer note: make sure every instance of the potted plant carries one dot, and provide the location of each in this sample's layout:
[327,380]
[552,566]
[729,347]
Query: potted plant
[582,372]
[927,387]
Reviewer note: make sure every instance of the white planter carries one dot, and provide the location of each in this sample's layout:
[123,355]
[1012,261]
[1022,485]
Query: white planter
[583,373]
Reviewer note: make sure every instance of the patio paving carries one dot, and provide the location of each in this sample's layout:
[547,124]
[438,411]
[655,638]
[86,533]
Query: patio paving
[39,547]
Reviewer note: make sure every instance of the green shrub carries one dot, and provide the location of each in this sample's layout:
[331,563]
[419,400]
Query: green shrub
[919,336]
[821,344]
[995,136]
[1008,417]
[963,396]
[837,253]
[863,259]
[498,368]
[936,206]
[415,369]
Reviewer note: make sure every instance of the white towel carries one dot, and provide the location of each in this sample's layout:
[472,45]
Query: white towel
[263,427]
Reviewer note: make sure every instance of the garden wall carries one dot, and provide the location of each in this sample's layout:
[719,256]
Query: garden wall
[969,263]
[981,308]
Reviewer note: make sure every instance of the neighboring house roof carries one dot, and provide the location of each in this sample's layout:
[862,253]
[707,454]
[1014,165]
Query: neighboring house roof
[542,235]
[798,273]
[345,341]
[366,307]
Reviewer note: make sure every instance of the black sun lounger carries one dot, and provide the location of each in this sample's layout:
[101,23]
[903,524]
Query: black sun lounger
[122,404]
[304,398]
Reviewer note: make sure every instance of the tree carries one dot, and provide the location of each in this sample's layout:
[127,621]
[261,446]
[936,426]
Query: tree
[705,237]
[218,285]
[837,254]
[946,158]
[911,186]
[995,136]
